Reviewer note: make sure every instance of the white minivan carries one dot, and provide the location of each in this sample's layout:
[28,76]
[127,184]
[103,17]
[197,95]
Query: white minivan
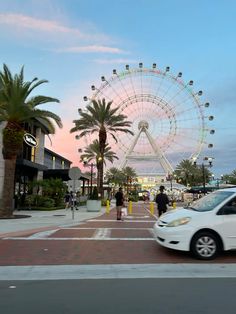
[205,227]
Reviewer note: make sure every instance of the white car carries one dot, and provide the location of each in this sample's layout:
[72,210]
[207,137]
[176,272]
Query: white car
[205,227]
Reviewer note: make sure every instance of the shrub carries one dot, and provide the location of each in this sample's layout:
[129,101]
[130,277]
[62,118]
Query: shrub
[94,195]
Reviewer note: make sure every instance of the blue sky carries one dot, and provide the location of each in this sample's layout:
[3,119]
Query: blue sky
[72,43]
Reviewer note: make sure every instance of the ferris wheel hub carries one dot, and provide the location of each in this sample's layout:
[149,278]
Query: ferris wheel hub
[143,125]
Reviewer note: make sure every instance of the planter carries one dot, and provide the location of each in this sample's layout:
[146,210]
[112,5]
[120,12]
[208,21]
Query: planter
[94,205]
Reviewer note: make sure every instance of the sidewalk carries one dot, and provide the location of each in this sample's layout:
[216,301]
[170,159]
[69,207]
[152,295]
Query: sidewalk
[44,220]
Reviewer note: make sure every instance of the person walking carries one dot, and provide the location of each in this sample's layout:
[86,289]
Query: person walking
[67,199]
[119,196]
[73,201]
[162,201]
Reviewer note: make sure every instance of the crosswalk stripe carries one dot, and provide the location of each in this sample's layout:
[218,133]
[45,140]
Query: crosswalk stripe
[78,239]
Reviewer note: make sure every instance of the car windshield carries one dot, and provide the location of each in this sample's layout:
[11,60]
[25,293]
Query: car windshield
[210,201]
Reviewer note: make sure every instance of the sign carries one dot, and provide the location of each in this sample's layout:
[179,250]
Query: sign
[30,140]
[74,173]
[74,184]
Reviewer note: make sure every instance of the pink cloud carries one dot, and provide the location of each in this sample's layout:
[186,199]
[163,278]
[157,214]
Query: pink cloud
[53,27]
[92,48]
[115,61]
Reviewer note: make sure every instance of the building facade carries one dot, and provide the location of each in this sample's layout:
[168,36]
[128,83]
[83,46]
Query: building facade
[35,163]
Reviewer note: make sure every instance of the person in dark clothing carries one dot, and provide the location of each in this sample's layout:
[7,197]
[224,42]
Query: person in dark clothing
[119,196]
[162,201]
[67,199]
[73,201]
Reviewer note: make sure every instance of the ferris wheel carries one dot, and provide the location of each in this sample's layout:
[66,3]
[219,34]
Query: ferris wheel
[168,119]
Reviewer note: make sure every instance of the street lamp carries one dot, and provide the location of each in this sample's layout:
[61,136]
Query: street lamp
[203,167]
[170,178]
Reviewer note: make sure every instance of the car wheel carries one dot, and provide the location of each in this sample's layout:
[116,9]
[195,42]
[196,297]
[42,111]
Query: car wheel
[205,245]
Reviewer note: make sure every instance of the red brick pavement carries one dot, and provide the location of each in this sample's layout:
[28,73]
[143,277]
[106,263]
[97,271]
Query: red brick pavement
[127,242]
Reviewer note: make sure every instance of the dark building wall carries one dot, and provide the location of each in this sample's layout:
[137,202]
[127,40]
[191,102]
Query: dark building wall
[55,161]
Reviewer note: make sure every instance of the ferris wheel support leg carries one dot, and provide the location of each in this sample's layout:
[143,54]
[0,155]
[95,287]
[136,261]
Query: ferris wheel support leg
[163,160]
[123,164]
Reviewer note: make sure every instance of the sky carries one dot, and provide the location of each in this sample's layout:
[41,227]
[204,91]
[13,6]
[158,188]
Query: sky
[72,43]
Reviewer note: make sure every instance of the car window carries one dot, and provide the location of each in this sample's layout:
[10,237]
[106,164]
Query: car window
[229,208]
[210,201]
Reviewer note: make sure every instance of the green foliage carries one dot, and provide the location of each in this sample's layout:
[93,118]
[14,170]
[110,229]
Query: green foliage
[187,173]
[230,178]
[121,177]
[94,195]
[19,106]
[101,118]
[133,198]
[92,153]
[40,201]
[52,188]
[104,201]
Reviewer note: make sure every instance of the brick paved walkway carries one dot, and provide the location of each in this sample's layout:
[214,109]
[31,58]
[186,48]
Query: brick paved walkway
[97,241]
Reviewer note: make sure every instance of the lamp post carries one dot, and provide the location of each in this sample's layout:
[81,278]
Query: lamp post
[203,167]
[170,178]
[91,165]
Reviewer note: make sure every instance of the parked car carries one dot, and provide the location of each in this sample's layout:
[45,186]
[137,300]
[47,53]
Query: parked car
[204,228]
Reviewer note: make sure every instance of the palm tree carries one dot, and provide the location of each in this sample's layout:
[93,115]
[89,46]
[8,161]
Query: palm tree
[100,117]
[92,152]
[115,176]
[129,173]
[189,174]
[16,109]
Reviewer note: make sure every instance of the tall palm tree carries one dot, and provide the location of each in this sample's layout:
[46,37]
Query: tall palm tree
[190,174]
[100,117]
[17,108]
[130,174]
[92,153]
[115,176]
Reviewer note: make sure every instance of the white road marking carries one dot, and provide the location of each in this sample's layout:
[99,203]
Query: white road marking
[101,234]
[88,228]
[98,238]
[43,234]
[120,222]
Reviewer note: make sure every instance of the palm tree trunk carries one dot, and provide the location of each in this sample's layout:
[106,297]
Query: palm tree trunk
[101,180]
[7,206]
[102,145]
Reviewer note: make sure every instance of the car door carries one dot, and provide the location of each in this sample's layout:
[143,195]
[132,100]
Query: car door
[228,227]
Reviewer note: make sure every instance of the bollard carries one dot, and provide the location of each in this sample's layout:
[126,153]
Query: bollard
[174,205]
[152,208]
[108,207]
[130,207]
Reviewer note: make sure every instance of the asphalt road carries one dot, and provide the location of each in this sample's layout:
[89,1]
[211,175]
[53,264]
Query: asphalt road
[116,296]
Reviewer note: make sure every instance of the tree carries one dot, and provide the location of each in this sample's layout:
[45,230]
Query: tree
[92,153]
[115,176]
[100,117]
[120,177]
[16,109]
[230,178]
[189,174]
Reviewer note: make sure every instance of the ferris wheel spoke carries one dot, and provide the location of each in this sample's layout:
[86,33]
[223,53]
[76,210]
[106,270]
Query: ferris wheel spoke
[100,93]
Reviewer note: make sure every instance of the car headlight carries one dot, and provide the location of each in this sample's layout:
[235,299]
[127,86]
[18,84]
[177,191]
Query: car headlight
[178,222]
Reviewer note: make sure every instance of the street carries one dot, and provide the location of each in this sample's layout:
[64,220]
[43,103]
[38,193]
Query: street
[106,266]
[115,296]
[101,240]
